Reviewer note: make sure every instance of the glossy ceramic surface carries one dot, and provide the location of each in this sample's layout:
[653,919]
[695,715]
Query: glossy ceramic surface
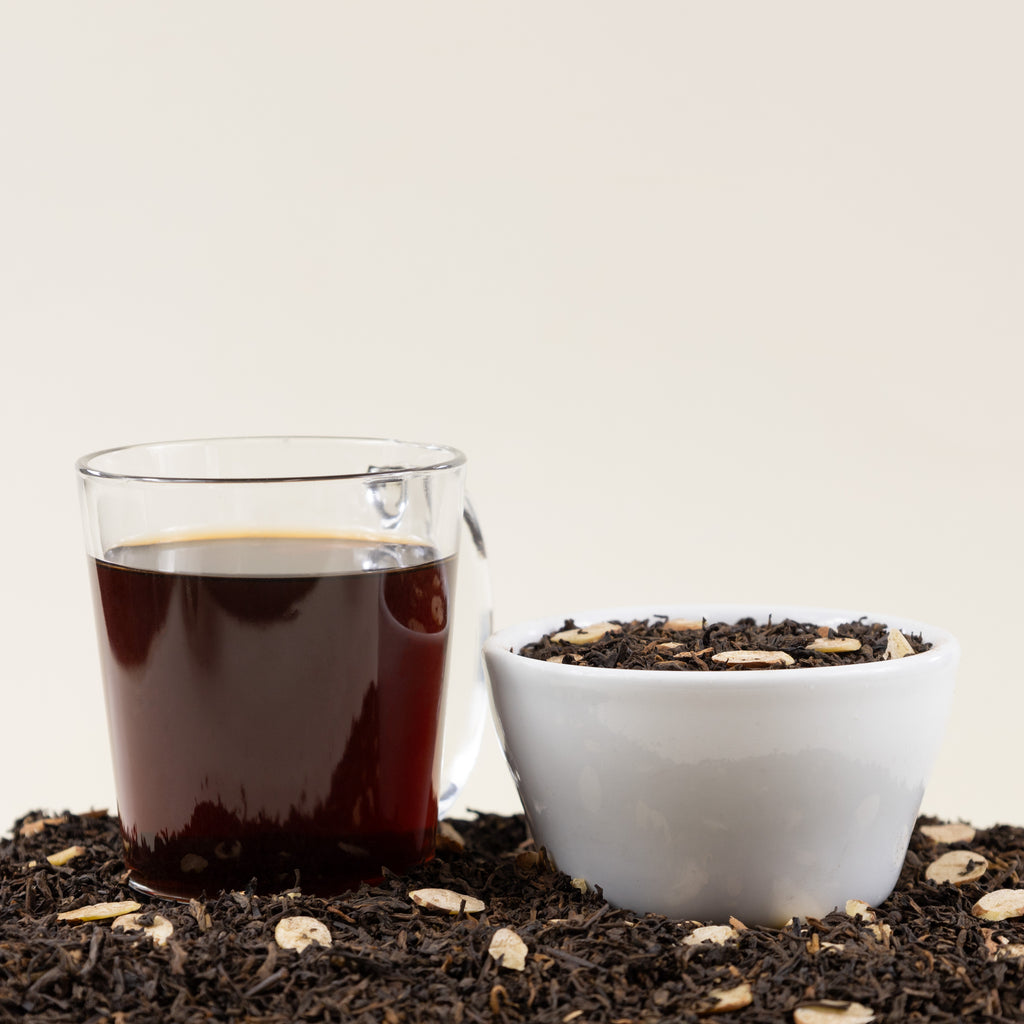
[761,794]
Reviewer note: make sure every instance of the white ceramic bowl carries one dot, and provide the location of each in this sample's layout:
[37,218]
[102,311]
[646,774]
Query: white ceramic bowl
[762,794]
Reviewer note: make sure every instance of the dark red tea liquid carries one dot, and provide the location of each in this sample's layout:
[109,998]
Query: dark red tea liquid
[274,705]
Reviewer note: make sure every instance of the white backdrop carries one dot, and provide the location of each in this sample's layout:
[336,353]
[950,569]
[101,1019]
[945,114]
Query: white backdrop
[723,301]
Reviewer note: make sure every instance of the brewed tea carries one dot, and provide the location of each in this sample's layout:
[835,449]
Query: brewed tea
[274,705]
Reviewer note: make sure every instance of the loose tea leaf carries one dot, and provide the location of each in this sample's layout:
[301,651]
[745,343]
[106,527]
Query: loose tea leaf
[696,645]
[391,961]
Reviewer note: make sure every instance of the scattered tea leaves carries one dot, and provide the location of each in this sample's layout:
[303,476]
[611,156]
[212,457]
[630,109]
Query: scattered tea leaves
[930,959]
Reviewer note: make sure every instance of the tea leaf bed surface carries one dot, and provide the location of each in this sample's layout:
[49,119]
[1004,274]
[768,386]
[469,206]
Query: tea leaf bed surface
[923,955]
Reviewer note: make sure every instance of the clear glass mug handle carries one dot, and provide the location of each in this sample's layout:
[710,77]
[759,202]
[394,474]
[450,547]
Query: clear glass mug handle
[466,704]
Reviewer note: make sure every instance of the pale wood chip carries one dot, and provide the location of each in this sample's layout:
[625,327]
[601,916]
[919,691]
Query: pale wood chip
[858,908]
[509,949]
[832,1011]
[299,932]
[1000,905]
[100,911]
[896,646]
[565,659]
[957,867]
[716,933]
[753,659]
[834,645]
[63,857]
[581,884]
[447,901]
[952,832]
[449,840]
[682,625]
[728,999]
[159,931]
[1011,951]
[34,827]
[586,634]
[571,1016]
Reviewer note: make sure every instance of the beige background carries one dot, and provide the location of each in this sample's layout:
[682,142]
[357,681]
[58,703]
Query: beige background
[723,300]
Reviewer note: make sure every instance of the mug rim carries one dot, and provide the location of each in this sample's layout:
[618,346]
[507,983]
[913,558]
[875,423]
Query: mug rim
[447,458]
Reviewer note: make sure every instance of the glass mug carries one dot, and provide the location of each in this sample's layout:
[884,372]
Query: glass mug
[273,618]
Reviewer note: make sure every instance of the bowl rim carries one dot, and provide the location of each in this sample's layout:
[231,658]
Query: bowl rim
[504,643]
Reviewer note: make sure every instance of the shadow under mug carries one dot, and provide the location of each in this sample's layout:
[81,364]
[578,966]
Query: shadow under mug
[274,618]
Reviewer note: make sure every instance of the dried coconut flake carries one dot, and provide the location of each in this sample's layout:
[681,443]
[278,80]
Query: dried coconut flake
[447,901]
[1000,905]
[957,867]
[830,1011]
[509,949]
[299,932]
